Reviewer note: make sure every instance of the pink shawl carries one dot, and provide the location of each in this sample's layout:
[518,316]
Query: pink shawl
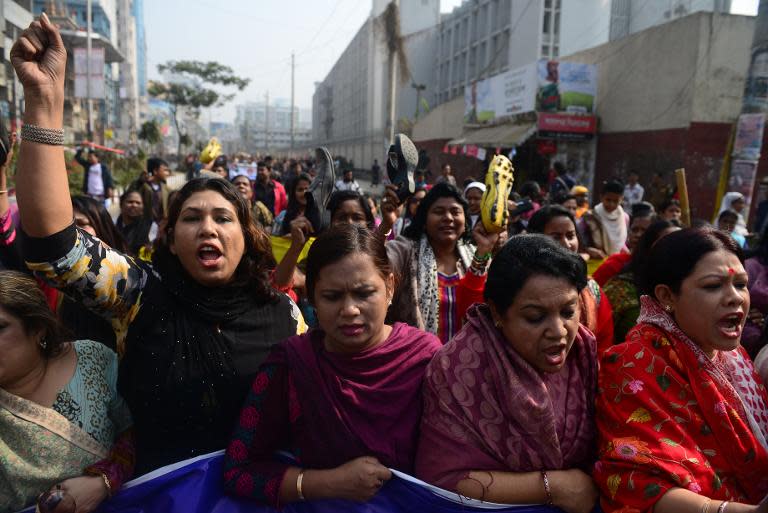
[364,404]
[486,408]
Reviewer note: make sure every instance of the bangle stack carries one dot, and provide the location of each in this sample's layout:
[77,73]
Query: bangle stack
[36,134]
[722,507]
[547,489]
[480,263]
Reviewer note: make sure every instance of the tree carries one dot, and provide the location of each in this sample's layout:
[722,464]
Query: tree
[150,132]
[187,90]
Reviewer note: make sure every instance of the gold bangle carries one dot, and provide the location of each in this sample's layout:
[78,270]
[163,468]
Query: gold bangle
[106,483]
[705,506]
[299,481]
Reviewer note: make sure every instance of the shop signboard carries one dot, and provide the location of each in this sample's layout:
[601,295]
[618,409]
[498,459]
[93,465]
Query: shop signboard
[566,126]
[500,96]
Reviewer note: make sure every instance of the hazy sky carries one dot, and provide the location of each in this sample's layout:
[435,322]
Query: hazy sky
[256,38]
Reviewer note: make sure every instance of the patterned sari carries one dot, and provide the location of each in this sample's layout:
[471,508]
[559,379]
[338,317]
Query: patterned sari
[669,416]
[41,446]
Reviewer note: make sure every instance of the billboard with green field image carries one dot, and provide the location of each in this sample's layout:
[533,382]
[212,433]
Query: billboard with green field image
[566,87]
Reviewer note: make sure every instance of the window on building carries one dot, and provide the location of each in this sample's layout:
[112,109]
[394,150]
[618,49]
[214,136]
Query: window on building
[547,21]
[545,51]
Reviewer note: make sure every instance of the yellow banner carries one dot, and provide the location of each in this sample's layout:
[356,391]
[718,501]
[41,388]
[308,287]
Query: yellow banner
[280,247]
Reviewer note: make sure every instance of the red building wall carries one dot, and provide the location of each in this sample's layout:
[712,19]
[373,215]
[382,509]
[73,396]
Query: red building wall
[700,149]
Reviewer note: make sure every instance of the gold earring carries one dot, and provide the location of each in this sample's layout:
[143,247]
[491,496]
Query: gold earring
[668,308]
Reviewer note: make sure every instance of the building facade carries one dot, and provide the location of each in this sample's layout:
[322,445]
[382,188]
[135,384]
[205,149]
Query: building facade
[481,38]
[266,126]
[668,98]
[350,107]
[631,16]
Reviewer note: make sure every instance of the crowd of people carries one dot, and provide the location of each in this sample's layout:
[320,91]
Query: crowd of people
[402,332]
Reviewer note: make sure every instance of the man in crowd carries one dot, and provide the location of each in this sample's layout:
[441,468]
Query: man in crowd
[348,182]
[269,191]
[375,171]
[446,176]
[658,191]
[561,182]
[633,191]
[153,187]
[97,180]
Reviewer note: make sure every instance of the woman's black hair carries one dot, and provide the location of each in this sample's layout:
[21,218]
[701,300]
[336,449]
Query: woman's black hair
[525,256]
[531,190]
[257,261]
[728,213]
[668,203]
[641,210]
[673,258]
[563,197]
[418,226]
[100,220]
[612,187]
[646,242]
[539,220]
[410,200]
[339,242]
[339,197]
[21,297]
[311,211]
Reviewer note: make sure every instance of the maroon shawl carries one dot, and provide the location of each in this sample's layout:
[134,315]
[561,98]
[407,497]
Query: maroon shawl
[364,404]
[485,408]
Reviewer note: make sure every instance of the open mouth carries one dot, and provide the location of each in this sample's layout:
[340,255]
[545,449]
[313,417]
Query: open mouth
[208,255]
[555,355]
[352,330]
[730,325]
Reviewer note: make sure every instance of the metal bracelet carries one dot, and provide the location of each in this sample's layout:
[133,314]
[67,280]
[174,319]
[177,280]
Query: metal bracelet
[49,136]
[722,507]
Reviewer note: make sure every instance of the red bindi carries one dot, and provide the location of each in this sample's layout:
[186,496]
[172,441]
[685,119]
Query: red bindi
[731,271]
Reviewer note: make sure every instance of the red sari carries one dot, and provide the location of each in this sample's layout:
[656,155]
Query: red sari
[668,416]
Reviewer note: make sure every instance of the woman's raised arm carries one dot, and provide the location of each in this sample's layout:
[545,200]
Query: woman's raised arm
[40,59]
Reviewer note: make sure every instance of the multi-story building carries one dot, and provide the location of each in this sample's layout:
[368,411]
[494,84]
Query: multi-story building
[70,16]
[631,16]
[350,107]
[129,84]
[265,126]
[17,15]
[481,38]
[141,48]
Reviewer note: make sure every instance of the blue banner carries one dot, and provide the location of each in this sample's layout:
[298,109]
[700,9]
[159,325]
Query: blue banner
[195,486]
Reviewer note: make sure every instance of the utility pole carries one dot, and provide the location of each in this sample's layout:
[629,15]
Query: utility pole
[393,84]
[89,103]
[743,162]
[266,123]
[293,97]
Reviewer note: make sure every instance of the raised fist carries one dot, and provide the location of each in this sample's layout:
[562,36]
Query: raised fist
[40,59]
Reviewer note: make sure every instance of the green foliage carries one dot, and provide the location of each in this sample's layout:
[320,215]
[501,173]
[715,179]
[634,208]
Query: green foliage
[150,132]
[191,92]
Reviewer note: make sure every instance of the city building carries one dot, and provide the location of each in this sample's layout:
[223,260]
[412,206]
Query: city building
[70,16]
[631,16]
[17,15]
[130,101]
[266,126]
[350,107]
[669,97]
[481,38]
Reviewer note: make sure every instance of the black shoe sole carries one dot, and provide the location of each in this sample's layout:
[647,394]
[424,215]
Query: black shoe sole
[408,160]
[321,187]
